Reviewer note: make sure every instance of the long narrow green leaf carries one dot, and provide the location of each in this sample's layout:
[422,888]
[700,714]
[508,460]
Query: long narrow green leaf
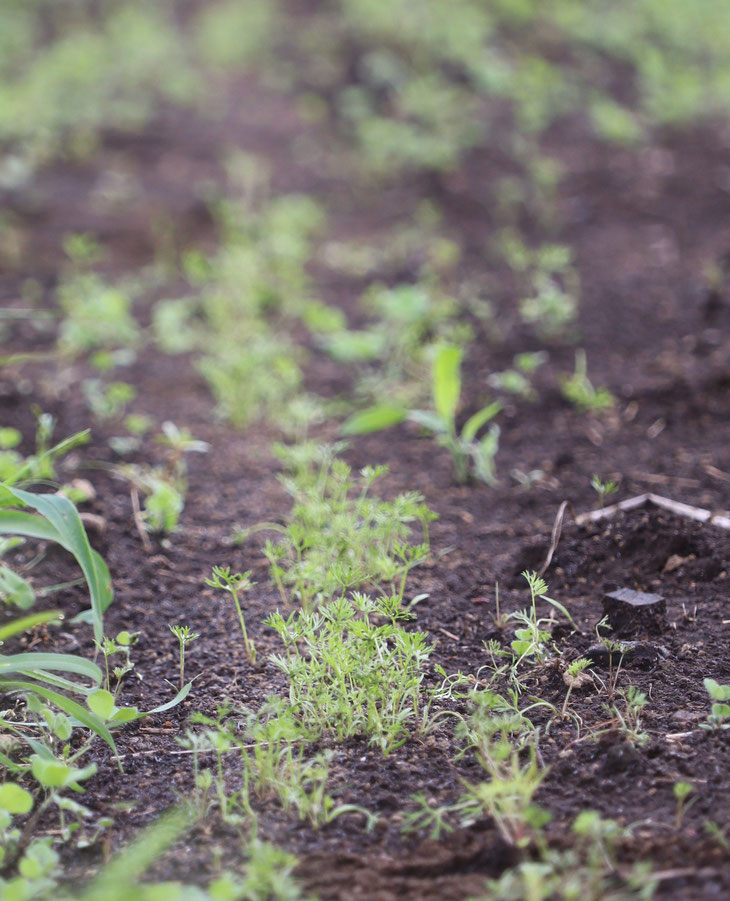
[24,623]
[447,382]
[427,419]
[33,463]
[60,522]
[68,663]
[72,708]
[373,419]
[562,609]
[55,681]
[118,878]
[9,764]
[475,422]
[179,697]
[15,589]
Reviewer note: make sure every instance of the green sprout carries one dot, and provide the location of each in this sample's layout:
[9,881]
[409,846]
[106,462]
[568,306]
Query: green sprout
[471,456]
[682,790]
[574,677]
[234,583]
[579,390]
[719,716]
[603,489]
[185,637]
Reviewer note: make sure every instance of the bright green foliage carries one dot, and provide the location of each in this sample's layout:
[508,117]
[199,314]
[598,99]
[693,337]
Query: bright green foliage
[252,378]
[603,489]
[232,34]
[165,487]
[65,73]
[234,583]
[15,590]
[247,294]
[57,520]
[14,467]
[432,81]
[356,677]
[549,282]
[107,401]
[719,717]
[163,504]
[395,350]
[531,639]
[588,871]
[96,315]
[338,536]
[578,389]
[517,381]
[681,791]
[504,741]
[629,720]
[276,763]
[470,455]
[185,636]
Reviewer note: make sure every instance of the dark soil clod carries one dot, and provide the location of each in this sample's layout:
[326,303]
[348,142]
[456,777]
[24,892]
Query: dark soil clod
[640,654]
[631,613]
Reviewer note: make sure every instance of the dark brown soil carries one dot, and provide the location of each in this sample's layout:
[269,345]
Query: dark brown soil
[644,226]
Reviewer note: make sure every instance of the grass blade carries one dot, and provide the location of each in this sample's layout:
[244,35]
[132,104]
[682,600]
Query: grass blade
[60,522]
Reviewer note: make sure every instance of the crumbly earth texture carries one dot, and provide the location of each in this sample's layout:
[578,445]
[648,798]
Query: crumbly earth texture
[643,225]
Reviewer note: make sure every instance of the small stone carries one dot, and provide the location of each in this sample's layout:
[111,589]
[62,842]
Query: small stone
[632,613]
[676,561]
[686,717]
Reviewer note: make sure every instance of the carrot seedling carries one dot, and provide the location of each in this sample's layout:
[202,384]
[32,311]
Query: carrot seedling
[185,637]
[234,583]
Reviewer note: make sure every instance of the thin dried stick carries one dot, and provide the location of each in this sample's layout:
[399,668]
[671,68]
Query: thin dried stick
[557,530]
[139,522]
[699,514]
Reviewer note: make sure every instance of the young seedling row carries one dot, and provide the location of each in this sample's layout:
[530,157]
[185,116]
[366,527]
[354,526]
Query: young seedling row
[363,365]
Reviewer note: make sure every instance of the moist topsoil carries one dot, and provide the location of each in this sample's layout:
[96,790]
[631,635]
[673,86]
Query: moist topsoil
[644,227]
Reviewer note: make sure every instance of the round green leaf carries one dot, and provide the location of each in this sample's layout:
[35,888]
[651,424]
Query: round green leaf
[50,773]
[101,702]
[15,799]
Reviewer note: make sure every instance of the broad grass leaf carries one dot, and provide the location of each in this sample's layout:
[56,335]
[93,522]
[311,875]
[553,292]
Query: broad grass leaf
[382,416]
[475,422]
[72,708]
[447,382]
[24,623]
[15,589]
[36,661]
[59,521]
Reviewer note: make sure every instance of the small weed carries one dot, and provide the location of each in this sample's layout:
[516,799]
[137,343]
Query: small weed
[531,639]
[629,720]
[355,677]
[589,870]
[109,401]
[603,489]
[338,536]
[575,676]
[682,790]
[109,647]
[719,716]
[185,636]
[470,456]
[579,390]
[234,584]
